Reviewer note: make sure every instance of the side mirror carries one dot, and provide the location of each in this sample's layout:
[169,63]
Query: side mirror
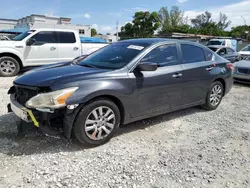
[30,41]
[147,66]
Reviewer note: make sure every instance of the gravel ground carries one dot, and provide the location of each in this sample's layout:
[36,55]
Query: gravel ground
[188,148]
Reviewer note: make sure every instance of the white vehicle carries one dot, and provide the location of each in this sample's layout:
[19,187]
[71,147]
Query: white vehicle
[232,43]
[40,47]
[245,52]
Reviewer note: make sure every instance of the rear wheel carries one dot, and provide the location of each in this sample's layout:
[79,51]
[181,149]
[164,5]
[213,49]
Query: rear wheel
[9,66]
[96,122]
[214,96]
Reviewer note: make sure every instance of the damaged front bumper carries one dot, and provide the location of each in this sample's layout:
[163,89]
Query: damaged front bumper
[49,122]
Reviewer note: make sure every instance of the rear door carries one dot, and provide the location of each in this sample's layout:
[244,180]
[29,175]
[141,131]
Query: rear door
[154,91]
[197,67]
[68,46]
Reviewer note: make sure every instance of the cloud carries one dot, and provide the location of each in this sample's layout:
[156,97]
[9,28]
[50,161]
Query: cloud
[235,12]
[87,15]
[135,9]
[94,26]
[181,1]
[125,11]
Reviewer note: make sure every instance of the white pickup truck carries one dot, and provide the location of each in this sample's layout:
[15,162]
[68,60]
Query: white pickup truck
[40,47]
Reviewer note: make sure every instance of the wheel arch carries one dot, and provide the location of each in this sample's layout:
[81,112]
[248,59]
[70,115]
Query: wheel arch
[222,81]
[114,99]
[16,57]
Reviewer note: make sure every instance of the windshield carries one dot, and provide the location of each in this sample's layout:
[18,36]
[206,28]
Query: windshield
[246,49]
[215,42]
[248,58]
[114,56]
[22,36]
[212,48]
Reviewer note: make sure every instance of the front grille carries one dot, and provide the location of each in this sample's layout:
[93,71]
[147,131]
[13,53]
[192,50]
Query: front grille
[23,94]
[244,70]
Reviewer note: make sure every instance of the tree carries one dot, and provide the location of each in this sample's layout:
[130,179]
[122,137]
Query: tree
[143,25]
[223,22]
[93,32]
[172,21]
[241,31]
[204,24]
[202,21]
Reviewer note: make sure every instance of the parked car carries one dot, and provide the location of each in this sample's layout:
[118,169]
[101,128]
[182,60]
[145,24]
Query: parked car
[242,71]
[119,84]
[231,43]
[245,52]
[226,52]
[41,47]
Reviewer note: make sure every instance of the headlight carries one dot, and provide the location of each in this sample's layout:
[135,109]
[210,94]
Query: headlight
[55,99]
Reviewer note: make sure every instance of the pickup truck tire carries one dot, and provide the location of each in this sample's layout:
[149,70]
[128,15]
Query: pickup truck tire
[9,66]
[96,123]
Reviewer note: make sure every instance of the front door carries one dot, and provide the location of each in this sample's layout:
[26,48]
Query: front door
[68,46]
[43,51]
[161,89]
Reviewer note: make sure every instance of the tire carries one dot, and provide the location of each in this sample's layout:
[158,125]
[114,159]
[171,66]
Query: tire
[83,129]
[9,66]
[210,104]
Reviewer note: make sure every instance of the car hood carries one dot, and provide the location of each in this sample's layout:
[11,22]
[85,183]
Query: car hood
[6,43]
[243,63]
[48,75]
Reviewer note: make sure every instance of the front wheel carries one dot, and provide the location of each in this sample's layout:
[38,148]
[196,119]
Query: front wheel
[96,122]
[9,66]
[214,96]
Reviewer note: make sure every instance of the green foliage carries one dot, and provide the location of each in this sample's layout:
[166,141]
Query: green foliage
[143,25]
[93,32]
[172,21]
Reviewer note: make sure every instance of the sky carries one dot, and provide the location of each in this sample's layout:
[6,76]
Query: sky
[103,14]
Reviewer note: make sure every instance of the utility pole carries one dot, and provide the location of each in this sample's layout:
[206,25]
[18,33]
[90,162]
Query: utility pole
[117,25]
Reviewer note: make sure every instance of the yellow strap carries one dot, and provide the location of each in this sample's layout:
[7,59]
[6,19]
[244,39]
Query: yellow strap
[33,118]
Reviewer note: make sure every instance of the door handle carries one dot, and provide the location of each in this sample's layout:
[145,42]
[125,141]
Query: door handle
[209,68]
[75,48]
[52,48]
[177,75]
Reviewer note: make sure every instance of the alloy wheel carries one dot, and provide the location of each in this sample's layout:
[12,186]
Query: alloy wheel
[100,123]
[7,67]
[216,95]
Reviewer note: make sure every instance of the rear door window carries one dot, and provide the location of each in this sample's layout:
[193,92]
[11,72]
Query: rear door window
[192,54]
[209,55]
[66,37]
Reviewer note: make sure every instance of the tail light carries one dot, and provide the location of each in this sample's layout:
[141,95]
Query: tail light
[230,66]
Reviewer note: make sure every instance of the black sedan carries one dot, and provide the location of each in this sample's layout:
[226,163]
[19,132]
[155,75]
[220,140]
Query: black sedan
[226,52]
[119,84]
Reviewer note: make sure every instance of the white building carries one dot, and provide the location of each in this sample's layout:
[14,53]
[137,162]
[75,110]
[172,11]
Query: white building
[41,21]
[7,23]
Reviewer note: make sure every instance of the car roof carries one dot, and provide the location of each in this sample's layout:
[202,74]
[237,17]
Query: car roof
[151,41]
[218,46]
[53,29]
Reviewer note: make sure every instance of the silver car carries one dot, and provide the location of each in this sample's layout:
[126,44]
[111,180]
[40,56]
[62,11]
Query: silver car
[242,71]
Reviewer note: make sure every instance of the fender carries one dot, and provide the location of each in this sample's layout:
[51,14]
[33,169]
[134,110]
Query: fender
[12,51]
[93,89]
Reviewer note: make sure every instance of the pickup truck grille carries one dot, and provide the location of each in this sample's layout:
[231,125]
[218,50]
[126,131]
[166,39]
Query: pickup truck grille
[23,94]
[244,71]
